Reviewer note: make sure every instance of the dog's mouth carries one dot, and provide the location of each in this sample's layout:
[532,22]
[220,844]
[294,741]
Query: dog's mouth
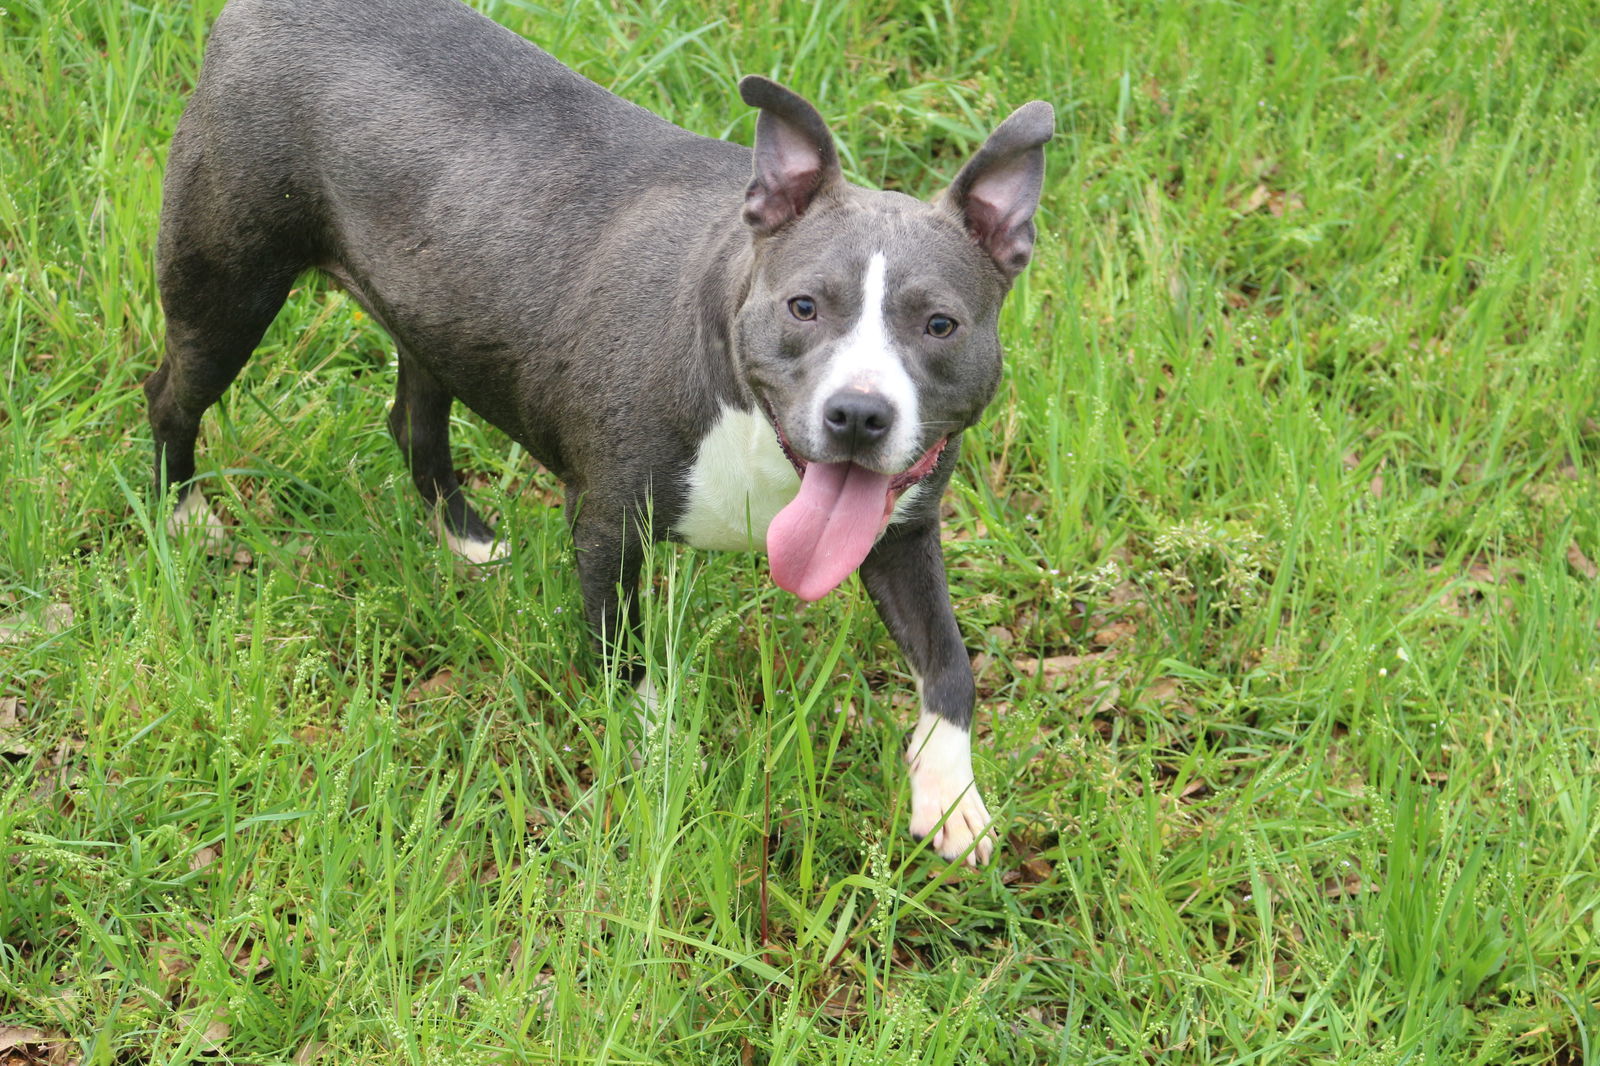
[823,535]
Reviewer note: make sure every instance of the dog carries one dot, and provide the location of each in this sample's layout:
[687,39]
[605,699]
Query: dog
[726,347]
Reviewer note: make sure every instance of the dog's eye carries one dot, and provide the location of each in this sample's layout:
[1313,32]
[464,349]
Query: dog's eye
[941,326]
[803,307]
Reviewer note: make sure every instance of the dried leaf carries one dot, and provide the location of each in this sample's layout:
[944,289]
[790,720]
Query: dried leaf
[1002,636]
[12,1036]
[313,734]
[441,684]
[171,960]
[241,952]
[1255,201]
[215,1034]
[56,617]
[1347,884]
[1162,689]
[310,1052]
[11,743]
[1057,670]
[216,1030]
[1114,632]
[1283,203]
[1581,562]
[53,619]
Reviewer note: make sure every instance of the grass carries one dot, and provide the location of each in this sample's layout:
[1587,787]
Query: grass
[1274,556]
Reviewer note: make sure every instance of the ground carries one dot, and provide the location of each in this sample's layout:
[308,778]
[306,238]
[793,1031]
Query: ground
[1275,557]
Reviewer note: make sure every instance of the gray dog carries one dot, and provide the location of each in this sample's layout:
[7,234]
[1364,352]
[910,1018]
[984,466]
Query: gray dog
[740,345]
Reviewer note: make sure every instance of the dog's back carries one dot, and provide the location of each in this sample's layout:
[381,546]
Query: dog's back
[437,165]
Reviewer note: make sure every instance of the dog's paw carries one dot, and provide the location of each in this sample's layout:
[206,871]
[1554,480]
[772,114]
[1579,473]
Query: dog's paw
[943,790]
[477,552]
[193,517]
[647,712]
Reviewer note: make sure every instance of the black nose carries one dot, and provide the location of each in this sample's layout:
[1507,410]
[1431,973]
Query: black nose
[857,419]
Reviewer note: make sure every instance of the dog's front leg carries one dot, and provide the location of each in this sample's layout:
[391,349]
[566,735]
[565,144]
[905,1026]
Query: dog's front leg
[609,559]
[904,575]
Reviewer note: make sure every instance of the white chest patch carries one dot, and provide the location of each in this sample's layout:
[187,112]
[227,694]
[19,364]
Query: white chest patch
[740,480]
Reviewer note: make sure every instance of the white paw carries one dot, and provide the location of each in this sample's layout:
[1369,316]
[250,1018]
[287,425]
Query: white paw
[194,517]
[477,552]
[657,743]
[943,790]
[647,708]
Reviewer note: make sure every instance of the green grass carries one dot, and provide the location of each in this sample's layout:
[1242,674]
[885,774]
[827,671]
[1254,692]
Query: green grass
[1292,488]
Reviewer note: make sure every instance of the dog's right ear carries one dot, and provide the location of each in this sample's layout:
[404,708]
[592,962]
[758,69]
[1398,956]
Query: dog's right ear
[997,192]
[795,158]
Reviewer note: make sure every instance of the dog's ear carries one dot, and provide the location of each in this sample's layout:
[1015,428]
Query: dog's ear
[794,156]
[997,191]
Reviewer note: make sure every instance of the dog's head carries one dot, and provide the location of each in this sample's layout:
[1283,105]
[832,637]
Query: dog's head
[868,334]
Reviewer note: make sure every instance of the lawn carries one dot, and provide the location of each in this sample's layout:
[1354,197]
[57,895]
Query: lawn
[1276,557]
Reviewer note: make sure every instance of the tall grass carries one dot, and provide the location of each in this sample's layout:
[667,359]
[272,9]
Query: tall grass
[1274,557]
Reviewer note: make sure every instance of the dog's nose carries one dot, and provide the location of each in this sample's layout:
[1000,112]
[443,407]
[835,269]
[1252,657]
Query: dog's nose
[856,419]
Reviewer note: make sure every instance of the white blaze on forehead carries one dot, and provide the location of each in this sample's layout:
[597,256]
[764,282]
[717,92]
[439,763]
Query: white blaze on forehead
[866,360]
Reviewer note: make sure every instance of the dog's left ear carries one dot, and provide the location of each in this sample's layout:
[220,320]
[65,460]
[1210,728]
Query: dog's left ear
[795,159]
[997,192]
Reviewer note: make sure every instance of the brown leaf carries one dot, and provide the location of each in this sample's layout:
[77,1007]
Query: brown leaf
[1255,201]
[841,1003]
[171,960]
[1581,562]
[216,1030]
[13,1036]
[1283,203]
[56,617]
[241,951]
[1057,670]
[1348,885]
[1106,694]
[215,1034]
[441,684]
[1001,636]
[1161,689]
[11,743]
[313,734]
[25,1046]
[1114,632]
[53,619]
[310,1052]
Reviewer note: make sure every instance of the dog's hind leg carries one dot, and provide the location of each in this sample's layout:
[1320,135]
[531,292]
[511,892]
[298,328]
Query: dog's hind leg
[227,255]
[420,424]
[216,314]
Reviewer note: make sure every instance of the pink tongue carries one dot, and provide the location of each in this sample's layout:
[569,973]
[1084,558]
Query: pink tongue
[820,538]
